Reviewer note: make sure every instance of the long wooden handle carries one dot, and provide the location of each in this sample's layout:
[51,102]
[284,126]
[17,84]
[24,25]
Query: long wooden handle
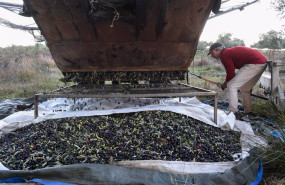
[210,81]
[198,76]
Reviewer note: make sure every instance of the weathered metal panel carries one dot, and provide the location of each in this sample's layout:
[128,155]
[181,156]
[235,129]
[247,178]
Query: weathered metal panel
[80,19]
[185,20]
[122,56]
[160,35]
[44,20]
[63,19]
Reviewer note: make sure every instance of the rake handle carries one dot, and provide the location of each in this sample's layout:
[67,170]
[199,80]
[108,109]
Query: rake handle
[210,81]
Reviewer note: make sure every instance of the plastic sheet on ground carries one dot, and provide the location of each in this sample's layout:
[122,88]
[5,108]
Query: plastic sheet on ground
[9,106]
[192,107]
[179,167]
[94,174]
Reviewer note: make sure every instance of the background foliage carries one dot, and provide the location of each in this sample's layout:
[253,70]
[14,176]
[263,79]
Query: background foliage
[27,70]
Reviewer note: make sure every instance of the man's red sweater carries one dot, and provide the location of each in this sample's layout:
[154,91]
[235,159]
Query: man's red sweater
[236,57]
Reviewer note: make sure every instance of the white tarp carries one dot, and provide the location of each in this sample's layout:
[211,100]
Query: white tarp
[179,167]
[192,107]
[61,107]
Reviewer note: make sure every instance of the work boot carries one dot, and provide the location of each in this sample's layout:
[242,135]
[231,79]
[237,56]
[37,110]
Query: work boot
[238,115]
[249,117]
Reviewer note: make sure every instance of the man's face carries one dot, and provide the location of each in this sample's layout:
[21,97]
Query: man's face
[216,53]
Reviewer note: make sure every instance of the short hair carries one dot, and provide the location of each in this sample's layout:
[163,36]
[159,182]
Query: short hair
[221,47]
[215,46]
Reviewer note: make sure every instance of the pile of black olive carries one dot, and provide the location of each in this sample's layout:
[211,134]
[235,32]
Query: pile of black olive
[151,135]
[131,76]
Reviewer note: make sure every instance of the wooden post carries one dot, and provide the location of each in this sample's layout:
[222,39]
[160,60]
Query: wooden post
[215,109]
[36,108]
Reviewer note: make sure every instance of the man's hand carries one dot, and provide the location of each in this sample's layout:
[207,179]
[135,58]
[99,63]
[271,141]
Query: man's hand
[219,85]
[224,85]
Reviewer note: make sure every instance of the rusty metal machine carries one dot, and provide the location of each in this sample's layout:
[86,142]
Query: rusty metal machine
[98,40]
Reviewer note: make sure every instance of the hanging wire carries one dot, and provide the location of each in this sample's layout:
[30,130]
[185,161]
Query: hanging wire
[116,17]
[23,11]
[31,30]
[15,8]
[19,9]
[39,37]
[9,24]
[102,5]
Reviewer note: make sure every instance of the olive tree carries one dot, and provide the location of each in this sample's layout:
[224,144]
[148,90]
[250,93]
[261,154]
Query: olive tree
[226,39]
[279,6]
[202,45]
[271,40]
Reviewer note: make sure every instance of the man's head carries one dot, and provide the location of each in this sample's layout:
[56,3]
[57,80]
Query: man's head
[216,49]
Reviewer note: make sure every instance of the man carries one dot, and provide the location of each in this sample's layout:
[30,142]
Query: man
[251,64]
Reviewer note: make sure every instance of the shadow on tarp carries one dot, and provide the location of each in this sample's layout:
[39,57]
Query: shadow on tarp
[222,104]
[245,172]
[10,106]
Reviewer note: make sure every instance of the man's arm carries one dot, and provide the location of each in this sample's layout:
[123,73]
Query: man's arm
[228,63]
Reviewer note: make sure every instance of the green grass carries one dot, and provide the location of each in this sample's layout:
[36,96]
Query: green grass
[29,89]
[273,154]
[269,110]
[26,71]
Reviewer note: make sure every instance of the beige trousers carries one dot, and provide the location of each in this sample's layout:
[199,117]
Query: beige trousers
[244,81]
